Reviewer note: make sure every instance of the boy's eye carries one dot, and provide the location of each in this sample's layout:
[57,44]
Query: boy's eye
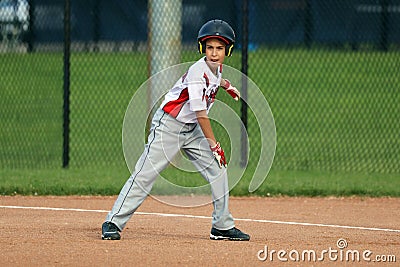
[218,48]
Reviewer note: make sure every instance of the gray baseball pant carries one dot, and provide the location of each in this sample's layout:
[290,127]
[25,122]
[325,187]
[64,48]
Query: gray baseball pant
[167,136]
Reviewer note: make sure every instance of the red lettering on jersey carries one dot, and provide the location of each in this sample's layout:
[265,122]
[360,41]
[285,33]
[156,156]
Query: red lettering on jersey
[207,80]
[211,98]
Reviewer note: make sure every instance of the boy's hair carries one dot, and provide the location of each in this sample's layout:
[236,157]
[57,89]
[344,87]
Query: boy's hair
[219,29]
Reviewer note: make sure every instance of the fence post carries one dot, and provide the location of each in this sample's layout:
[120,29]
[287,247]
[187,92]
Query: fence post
[308,25]
[384,25]
[67,44]
[245,41]
[96,25]
[31,34]
[164,46]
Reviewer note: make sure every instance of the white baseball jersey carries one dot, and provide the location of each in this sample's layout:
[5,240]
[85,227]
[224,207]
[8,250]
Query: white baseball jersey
[195,91]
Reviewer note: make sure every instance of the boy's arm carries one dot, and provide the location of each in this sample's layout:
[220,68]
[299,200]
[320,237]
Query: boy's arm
[205,125]
[215,147]
[223,83]
[226,84]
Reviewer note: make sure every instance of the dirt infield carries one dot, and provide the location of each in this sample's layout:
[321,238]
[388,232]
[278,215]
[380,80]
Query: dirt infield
[284,231]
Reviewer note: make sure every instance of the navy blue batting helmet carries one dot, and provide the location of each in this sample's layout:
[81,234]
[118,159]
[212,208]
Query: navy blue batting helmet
[219,29]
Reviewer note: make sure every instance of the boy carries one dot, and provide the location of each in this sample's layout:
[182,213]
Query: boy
[182,122]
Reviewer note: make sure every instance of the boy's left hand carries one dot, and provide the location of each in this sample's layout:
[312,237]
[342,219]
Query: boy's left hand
[233,91]
[219,155]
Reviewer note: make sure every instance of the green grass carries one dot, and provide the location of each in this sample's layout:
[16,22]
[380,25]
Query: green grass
[88,181]
[334,110]
[317,183]
[336,115]
[109,181]
[30,110]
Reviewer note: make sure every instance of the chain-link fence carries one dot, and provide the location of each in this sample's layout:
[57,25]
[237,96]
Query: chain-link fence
[329,70]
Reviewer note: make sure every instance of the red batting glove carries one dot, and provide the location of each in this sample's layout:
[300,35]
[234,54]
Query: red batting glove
[219,155]
[231,90]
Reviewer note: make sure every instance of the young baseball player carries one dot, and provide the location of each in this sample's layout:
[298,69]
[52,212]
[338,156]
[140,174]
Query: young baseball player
[182,123]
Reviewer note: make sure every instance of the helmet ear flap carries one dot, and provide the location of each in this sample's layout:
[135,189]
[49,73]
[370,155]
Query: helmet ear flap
[201,47]
[228,50]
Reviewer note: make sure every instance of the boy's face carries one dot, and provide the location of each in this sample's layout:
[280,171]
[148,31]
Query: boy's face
[215,51]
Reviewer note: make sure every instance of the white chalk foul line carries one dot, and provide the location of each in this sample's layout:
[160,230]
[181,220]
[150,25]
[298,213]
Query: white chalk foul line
[209,218]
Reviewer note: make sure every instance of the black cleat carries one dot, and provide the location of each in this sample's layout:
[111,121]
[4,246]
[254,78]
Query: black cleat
[109,231]
[233,234]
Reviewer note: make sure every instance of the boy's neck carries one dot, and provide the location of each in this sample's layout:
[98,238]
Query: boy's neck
[213,66]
